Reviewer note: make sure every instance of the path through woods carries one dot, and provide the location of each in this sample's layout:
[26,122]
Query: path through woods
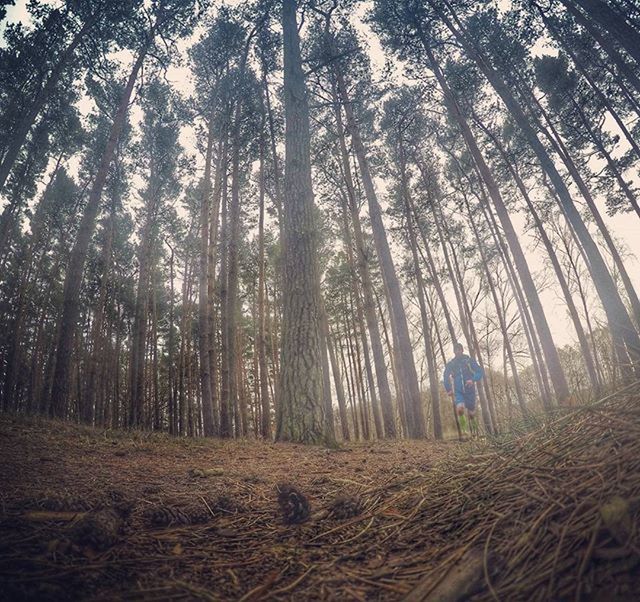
[549,514]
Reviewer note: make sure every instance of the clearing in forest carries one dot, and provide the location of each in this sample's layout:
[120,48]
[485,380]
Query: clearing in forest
[550,514]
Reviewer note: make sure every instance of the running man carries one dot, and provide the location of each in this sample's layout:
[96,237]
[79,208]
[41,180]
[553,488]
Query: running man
[465,372]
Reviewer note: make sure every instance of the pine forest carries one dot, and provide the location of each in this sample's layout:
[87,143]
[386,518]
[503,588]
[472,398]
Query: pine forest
[320,300]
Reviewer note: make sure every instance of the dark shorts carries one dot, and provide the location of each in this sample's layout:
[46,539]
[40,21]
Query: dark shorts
[468,398]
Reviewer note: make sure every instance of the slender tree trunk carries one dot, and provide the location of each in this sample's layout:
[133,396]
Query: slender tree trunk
[434,381]
[353,352]
[182,360]
[535,351]
[226,408]
[558,145]
[337,379]
[351,388]
[173,413]
[261,339]
[115,416]
[73,278]
[19,135]
[361,320]
[462,314]
[484,393]
[408,376]
[98,322]
[573,313]
[615,170]
[241,404]
[364,408]
[619,322]
[15,352]
[141,313]
[330,434]
[548,346]
[214,219]
[233,358]
[274,152]
[365,277]
[499,308]
[10,216]
[155,362]
[203,291]
[392,364]
[232,300]
[573,268]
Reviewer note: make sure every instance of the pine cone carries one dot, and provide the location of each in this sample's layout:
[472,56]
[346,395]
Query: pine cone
[345,506]
[197,514]
[120,502]
[223,504]
[99,530]
[293,504]
[166,516]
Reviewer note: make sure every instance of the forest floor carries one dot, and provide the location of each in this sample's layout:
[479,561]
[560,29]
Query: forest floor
[551,513]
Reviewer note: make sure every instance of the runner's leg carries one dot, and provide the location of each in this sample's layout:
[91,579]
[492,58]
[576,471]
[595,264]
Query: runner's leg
[470,404]
[462,419]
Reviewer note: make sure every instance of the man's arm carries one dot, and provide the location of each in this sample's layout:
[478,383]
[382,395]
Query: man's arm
[478,372]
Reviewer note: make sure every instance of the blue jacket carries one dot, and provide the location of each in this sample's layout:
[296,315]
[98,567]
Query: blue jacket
[462,369]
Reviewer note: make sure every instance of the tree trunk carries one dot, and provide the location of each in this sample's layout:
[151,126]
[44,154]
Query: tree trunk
[98,322]
[405,365]
[434,381]
[357,355]
[361,320]
[573,312]
[499,307]
[560,148]
[233,301]
[365,278]
[330,434]
[337,379]
[548,346]
[619,322]
[203,291]
[226,408]
[73,279]
[214,219]
[484,393]
[141,312]
[348,370]
[353,353]
[155,363]
[173,413]
[15,352]
[301,415]
[28,118]
[261,338]
[535,350]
